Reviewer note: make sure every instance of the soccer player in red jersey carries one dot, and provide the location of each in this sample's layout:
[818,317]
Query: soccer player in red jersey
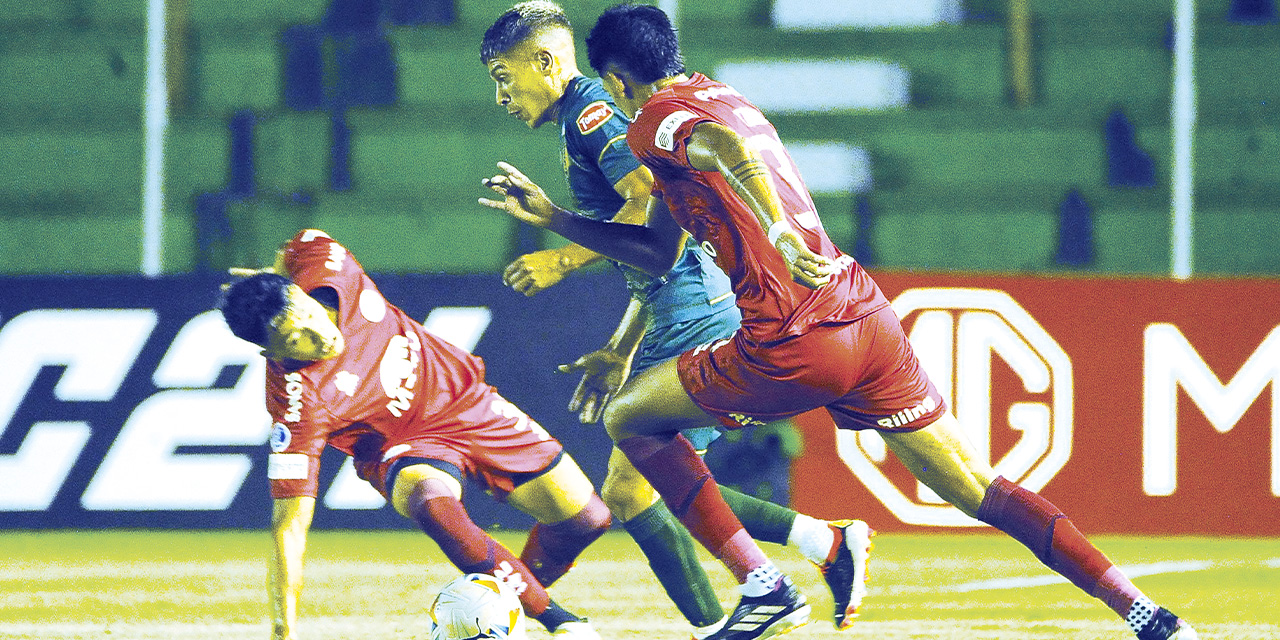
[347,369]
[816,329]
[530,56]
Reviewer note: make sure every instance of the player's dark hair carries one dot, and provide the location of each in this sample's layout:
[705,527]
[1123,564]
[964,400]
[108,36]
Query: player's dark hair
[249,305]
[517,24]
[637,39]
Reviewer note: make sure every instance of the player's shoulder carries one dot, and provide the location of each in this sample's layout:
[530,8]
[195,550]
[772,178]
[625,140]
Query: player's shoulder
[590,112]
[656,124]
[313,259]
[312,241]
[310,236]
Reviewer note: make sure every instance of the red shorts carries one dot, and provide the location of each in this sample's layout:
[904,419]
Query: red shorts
[864,373]
[492,442]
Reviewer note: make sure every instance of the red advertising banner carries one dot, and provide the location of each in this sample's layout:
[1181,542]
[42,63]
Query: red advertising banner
[1136,405]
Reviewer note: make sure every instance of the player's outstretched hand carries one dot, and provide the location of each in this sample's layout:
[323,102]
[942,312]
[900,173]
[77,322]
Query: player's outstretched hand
[533,272]
[808,268]
[603,373]
[521,198]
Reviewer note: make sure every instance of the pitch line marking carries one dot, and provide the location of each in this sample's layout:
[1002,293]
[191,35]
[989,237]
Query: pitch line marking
[1133,571]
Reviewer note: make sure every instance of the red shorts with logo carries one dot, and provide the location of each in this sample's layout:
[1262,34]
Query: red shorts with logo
[492,442]
[864,373]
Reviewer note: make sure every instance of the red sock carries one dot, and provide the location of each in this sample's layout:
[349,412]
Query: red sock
[551,549]
[468,547]
[1054,539]
[682,479]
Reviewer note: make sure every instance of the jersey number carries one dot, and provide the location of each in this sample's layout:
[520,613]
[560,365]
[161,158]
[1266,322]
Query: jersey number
[770,147]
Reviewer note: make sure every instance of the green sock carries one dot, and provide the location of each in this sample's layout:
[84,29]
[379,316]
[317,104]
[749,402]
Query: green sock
[674,560]
[764,520]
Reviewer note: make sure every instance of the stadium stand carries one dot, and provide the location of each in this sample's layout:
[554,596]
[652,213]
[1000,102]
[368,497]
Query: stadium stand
[961,178]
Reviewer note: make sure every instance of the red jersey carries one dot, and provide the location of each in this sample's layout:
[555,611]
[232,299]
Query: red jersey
[393,380]
[773,305]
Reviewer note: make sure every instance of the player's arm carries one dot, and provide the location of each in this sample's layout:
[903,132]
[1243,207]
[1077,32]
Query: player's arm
[534,272]
[652,247]
[290,521]
[605,370]
[715,147]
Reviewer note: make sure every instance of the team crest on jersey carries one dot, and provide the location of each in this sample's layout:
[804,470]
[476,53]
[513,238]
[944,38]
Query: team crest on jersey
[596,114]
[280,437]
[665,138]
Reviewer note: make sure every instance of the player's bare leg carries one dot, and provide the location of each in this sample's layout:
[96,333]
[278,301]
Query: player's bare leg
[644,420]
[431,497]
[570,517]
[941,457]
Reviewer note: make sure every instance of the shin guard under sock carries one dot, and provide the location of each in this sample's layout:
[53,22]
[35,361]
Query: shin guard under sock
[764,520]
[674,559]
[551,549]
[1055,541]
[442,517]
[680,476]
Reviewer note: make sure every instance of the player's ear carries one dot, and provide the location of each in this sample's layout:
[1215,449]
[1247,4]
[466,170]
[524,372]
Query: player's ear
[545,60]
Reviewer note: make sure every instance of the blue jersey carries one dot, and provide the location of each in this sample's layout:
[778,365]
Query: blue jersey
[596,156]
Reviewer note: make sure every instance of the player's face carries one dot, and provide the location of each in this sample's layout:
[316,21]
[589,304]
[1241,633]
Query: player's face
[524,86]
[304,330]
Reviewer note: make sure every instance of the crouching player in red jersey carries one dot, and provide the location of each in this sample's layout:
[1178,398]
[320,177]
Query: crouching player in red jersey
[349,370]
[816,330]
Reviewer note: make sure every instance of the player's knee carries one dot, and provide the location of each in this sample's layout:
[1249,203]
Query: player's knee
[627,494]
[417,504]
[618,417]
[595,517]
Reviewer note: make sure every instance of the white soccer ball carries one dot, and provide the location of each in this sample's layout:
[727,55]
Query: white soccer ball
[476,606]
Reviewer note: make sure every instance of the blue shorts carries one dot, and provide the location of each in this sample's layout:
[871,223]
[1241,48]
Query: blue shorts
[664,343]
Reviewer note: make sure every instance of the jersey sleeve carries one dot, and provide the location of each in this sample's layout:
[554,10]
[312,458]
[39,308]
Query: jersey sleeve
[315,260]
[600,132]
[660,133]
[299,429]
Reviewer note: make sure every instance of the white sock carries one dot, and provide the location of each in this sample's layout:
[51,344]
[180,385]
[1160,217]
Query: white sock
[1140,613]
[812,538]
[761,581]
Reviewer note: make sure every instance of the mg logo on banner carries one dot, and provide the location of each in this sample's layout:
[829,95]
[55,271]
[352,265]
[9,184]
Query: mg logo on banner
[957,334]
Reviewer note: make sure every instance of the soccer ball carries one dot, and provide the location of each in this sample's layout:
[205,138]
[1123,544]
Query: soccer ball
[476,606]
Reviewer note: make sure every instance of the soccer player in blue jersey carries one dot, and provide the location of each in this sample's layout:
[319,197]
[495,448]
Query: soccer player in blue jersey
[529,53]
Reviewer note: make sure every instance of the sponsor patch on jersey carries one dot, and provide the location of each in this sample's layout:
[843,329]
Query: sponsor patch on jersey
[596,114]
[280,437]
[665,139]
[288,466]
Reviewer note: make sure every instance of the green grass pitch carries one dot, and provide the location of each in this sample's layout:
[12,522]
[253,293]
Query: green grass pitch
[184,585]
